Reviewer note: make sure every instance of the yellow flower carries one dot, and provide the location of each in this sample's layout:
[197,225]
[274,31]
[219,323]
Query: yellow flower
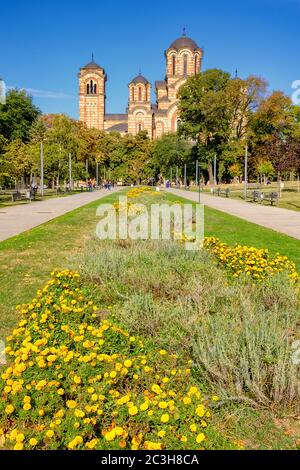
[27,407]
[50,433]
[165,418]
[161,434]
[193,427]
[20,437]
[200,438]
[215,398]
[19,446]
[33,442]
[71,404]
[200,411]
[9,409]
[79,414]
[133,410]
[128,364]
[144,406]
[110,436]
[163,405]
[187,400]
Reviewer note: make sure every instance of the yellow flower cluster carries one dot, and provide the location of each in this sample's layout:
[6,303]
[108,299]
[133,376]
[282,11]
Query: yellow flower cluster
[253,262]
[76,381]
[142,191]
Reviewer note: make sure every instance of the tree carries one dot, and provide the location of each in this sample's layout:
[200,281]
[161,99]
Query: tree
[17,116]
[216,111]
[171,151]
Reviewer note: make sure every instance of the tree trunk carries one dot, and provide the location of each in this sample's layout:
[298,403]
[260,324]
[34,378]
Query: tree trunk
[210,173]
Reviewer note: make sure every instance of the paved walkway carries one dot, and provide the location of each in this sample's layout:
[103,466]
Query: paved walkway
[280,220]
[17,219]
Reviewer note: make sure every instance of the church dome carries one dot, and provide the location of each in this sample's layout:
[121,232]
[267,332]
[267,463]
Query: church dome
[184,43]
[140,79]
[92,65]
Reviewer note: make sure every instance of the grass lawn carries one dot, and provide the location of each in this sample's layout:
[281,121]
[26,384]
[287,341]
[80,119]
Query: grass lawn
[290,198]
[233,230]
[27,260]
[6,200]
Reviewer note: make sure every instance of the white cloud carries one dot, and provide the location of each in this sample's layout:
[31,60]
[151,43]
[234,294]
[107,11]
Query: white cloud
[52,95]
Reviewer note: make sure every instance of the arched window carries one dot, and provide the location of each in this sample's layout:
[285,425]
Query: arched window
[174,65]
[140,93]
[196,65]
[95,89]
[185,65]
[140,127]
[88,89]
[91,87]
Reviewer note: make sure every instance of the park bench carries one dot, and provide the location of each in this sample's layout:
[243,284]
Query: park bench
[273,198]
[257,196]
[222,192]
[18,196]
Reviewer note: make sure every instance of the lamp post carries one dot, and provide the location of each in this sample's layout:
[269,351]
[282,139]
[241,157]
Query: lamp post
[197,172]
[42,169]
[70,172]
[215,170]
[246,173]
[185,178]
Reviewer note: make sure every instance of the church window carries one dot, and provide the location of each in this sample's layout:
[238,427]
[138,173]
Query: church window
[185,64]
[174,65]
[95,89]
[88,89]
[140,94]
[91,87]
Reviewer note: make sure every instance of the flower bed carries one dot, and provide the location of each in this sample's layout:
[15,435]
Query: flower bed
[78,381]
[256,263]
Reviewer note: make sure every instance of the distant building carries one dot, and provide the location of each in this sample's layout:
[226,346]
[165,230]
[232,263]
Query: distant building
[183,60]
[2,91]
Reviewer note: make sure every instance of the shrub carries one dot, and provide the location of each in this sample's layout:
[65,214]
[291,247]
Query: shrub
[77,381]
[239,334]
[256,263]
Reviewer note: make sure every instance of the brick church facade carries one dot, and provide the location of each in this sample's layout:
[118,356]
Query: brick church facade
[183,59]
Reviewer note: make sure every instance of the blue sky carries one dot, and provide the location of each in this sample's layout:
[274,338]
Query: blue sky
[44,43]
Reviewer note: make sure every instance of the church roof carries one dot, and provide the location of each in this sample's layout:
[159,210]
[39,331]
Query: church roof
[116,117]
[140,79]
[160,84]
[92,65]
[118,128]
[184,43]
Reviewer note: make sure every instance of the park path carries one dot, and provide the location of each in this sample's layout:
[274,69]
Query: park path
[281,220]
[18,219]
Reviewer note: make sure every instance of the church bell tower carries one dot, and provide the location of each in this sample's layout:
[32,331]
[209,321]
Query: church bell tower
[92,81]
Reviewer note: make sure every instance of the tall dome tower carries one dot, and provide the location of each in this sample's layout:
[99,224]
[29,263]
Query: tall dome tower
[183,60]
[92,80]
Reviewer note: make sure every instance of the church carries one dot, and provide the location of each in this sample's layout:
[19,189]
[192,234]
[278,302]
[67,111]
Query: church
[183,59]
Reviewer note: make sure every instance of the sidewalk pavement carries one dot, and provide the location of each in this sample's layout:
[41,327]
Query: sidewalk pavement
[20,218]
[281,220]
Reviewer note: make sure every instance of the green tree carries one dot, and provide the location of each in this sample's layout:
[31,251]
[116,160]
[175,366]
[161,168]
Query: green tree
[17,116]
[171,151]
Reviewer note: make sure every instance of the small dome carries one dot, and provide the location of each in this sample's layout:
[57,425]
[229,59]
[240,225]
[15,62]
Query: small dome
[140,79]
[184,43]
[92,65]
